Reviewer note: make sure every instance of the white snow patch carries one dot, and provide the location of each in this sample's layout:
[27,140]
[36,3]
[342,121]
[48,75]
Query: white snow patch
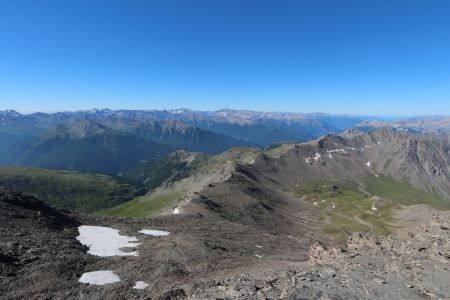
[308,160]
[333,206]
[99,277]
[379,143]
[258,246]
[140,285]
[336,151]
[176,211]
[368,164]
[376,176]
[374,208]
[330,156]
[316,157]
[258,256]
[105,241]
[154,232]
[315,203]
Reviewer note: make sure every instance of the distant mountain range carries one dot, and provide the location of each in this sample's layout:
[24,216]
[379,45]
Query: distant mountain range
[433,124]
[112,141]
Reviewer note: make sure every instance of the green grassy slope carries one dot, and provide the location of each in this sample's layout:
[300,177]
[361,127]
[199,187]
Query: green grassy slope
[404,193]
[143,206]
[67,189]
[345,209]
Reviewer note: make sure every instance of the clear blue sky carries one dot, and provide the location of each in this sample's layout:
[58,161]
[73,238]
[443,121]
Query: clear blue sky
[336,56]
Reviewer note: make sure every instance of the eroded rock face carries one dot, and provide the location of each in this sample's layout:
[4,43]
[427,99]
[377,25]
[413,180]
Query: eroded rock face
[358,241]
[319,255]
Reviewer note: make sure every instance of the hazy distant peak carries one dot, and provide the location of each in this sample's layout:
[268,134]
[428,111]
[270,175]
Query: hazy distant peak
[10,112]
[96,110]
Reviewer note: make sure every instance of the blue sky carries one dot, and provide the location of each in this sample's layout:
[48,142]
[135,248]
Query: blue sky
[359,57]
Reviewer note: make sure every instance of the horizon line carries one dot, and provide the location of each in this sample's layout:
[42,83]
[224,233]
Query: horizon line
[30,112]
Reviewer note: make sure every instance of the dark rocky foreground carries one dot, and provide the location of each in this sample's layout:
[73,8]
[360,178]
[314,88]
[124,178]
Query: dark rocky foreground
[205,258]
[39,255]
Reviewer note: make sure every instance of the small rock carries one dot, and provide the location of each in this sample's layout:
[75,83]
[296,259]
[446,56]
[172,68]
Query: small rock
[328,273]
[379,280]
[221,288]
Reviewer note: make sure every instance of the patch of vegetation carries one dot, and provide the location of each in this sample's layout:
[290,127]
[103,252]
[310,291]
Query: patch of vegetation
[279,149]
[404,193]
[238,154]
[346,210]
[68,189]
[143,206]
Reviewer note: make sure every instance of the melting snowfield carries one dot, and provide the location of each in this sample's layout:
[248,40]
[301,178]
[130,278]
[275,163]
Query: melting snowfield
[99,277]
[154,232]
[105,241]
[140,285]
